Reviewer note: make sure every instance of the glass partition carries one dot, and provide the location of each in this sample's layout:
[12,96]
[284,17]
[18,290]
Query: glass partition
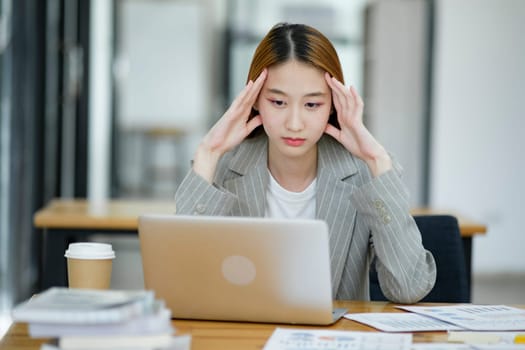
[6,273]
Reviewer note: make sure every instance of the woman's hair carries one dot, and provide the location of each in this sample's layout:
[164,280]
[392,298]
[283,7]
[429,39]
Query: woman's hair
[300,42]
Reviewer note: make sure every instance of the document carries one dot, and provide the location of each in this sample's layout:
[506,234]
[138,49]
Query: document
[486,337]
[499,347]
[440,346]
[475,317]
[401,322]
[450,346]
[307,339]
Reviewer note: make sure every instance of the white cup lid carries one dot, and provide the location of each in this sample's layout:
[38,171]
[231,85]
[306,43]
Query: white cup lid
[90,250]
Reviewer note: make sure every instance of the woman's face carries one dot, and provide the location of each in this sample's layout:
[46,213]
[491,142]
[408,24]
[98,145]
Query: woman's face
[294,105]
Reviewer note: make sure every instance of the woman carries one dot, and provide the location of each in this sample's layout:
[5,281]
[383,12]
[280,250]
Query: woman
[293,145]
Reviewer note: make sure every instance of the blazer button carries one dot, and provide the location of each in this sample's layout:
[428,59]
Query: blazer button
[379,204]
[200,208]
[386,219]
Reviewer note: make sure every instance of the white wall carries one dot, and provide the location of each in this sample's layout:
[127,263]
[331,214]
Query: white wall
[396,79]
[478,164]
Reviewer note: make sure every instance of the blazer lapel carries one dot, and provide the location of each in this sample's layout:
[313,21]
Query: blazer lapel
[333,205]
[250,163]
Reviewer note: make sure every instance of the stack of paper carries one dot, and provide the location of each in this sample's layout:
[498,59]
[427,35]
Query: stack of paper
[95,319]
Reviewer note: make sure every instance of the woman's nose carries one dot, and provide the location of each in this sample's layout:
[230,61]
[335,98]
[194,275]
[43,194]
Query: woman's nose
[294,122]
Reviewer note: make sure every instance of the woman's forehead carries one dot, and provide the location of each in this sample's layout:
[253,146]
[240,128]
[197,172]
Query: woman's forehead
[294,77]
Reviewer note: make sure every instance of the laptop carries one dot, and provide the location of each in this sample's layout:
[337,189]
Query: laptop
[239,269]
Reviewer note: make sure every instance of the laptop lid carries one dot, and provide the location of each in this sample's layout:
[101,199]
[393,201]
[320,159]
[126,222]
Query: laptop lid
[239,269]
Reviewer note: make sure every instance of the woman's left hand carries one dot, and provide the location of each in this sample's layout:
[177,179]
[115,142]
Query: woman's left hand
[353,135]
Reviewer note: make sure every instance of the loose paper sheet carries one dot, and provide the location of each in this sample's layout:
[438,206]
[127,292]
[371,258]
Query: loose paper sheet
[401,322]
[475,317]
[308,339]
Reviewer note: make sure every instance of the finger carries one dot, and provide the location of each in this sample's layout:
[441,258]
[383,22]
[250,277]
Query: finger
[357,102]
[356,96]
[335,96]
[332,131]
[342,93]
[242,104]
[258,84]
[242,95]
[263,75]
[253,90]
[247,91]
[337,85]
[253,123]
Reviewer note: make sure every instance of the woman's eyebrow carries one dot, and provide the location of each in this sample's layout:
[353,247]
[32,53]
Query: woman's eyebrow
[315,94]
[276,91]
[310,94]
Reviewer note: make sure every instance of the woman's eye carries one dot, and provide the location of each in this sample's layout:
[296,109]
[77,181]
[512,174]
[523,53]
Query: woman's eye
[278,103]
[312,105]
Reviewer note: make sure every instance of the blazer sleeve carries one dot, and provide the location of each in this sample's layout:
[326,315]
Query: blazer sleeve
[406,271]
[196,196]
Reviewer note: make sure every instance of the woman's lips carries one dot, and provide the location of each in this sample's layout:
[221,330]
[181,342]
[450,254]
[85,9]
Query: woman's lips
[294,142]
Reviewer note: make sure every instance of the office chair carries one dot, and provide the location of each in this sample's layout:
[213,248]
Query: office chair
[441,236]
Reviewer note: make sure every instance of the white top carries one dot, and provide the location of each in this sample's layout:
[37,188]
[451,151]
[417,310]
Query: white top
[281,203]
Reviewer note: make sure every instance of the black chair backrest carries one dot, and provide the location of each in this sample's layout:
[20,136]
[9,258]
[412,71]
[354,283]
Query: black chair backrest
[441,236]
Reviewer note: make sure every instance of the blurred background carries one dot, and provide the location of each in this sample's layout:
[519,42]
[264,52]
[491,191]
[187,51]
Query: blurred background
[108,99]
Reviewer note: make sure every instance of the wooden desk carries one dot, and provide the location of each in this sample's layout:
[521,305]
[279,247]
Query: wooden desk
[74,220]
[235,335]
[467,227]
[70,220]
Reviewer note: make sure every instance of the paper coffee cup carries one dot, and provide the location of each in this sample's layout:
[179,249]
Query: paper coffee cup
[89,265]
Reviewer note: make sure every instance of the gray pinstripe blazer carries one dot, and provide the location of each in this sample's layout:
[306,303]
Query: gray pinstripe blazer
[366,216]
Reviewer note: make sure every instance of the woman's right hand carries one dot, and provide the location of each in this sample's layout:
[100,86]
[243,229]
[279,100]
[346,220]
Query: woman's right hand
[230,130]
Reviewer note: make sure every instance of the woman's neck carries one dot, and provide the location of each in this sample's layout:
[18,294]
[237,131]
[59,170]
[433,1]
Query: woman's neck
[293,174]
